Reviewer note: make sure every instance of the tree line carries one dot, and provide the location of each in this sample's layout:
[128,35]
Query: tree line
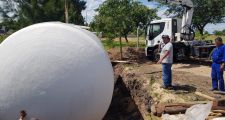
[219,33]
[205,12]
[115,17]
[17,14]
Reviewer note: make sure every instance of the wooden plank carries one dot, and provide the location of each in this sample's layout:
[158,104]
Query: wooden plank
[219,92]
[160,108]
[218,108]
[120,61]
[205,96]
[219,111]
[195,102]
[221,102]
[175,110]
[186,104]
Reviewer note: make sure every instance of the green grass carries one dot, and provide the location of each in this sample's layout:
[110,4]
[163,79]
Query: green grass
[213,37]
[208,37]
[3,37]
[133,42]
[152,80]
[115,43]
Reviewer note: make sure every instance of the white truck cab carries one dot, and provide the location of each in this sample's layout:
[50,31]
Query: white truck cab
[156,29]
[183,47]
[180,32]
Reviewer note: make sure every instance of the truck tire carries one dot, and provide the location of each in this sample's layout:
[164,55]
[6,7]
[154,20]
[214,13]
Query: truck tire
[181,51]
[179,54]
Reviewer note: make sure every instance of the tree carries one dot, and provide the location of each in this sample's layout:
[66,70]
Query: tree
[208,11]
[206,32]
[198,36]
[114,19]
[218,33]
[205,11]
[119,18]
[223,31]
[26,12]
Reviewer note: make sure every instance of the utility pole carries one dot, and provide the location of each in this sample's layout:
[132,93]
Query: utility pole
[66,12]
[138,37]
[140,26]
[86,19]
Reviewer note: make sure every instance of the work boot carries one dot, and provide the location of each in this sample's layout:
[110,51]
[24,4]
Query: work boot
[214,89]
[167,87]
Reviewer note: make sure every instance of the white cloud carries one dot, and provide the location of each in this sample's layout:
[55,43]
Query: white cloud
[212,27]
[161,12]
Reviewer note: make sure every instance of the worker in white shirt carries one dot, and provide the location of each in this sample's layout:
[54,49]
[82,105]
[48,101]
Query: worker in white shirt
[166,59]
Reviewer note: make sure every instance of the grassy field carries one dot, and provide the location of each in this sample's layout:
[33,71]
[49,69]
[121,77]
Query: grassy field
[213,37]
[132,41]
[115,43]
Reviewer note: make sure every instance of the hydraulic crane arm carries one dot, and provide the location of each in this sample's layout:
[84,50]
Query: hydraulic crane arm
[186,31]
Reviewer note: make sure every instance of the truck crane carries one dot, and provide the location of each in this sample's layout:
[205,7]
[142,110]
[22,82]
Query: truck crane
[181,33]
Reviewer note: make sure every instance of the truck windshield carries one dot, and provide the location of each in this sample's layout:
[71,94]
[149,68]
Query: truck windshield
[155,29]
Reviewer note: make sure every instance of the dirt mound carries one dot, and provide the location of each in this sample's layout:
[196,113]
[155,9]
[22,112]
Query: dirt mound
[138,89]
[129,53]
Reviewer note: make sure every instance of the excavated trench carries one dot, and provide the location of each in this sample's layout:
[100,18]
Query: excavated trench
[122,106]
[130,100]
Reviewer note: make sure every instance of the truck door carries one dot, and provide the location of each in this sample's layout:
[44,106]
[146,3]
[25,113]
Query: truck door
[154,33]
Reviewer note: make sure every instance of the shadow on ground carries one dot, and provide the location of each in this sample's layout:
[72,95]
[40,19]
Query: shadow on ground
[182,89]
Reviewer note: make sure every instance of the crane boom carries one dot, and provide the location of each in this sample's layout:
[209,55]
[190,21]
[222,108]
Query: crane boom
[186,31]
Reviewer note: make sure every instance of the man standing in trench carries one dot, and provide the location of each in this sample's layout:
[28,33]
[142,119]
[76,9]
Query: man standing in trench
[166,59]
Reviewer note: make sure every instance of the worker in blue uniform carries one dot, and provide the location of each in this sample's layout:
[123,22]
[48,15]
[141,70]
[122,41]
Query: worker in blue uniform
[218,58]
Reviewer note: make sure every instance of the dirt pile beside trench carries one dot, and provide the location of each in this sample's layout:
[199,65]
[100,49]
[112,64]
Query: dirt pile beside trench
[137,87]
[129,54]
[139,90]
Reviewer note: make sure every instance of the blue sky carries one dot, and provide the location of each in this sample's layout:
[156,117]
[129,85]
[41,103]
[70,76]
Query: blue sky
[89,13]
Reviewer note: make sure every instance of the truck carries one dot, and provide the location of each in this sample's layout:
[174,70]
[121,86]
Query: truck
[181,34]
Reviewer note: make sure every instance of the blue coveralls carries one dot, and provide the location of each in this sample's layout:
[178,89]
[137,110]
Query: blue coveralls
[218,58]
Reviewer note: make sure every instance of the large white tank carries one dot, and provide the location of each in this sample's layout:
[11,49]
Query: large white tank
[54,71]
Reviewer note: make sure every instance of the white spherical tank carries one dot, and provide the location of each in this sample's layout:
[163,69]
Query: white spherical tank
[54,71]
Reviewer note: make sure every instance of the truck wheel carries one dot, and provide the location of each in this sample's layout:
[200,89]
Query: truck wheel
[179,54]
